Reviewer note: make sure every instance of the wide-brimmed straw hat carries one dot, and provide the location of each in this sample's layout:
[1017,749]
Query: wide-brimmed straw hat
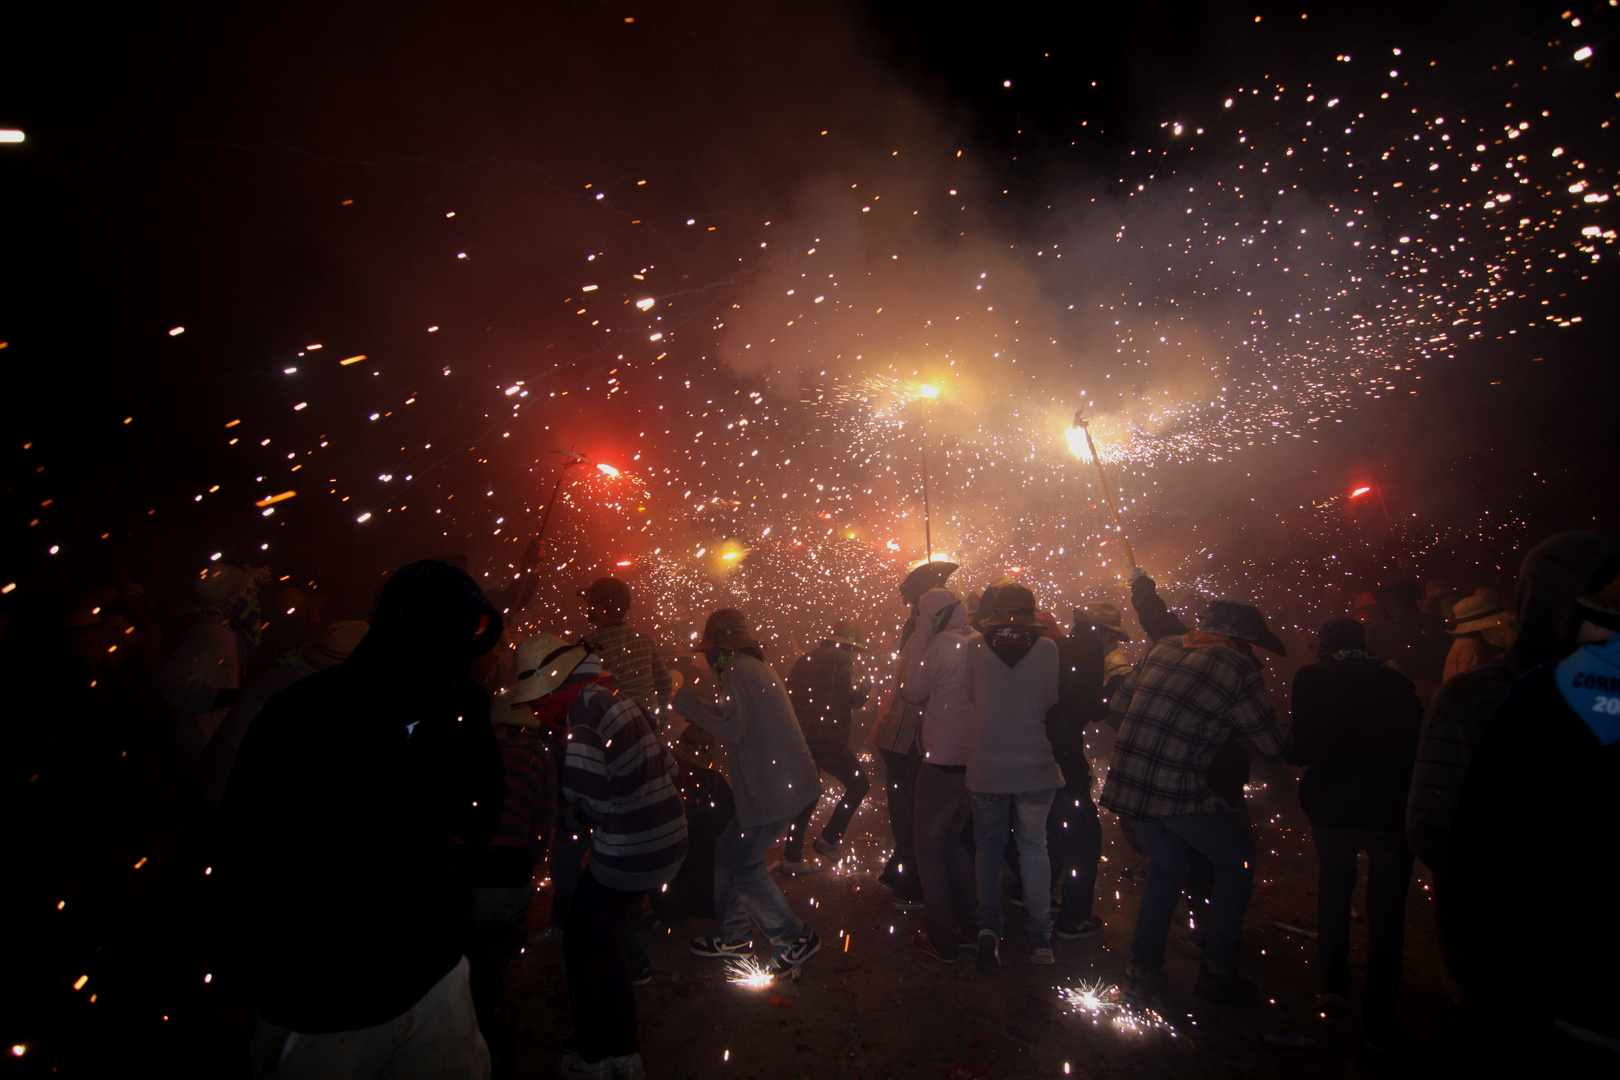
[1103,617]
[1241,619]
[1014,606]
[728,629]
[848,632]
[1478,612]
[544,662]
[334,645]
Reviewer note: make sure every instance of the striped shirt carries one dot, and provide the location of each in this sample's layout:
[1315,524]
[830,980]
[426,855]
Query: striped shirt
[619,777]
[1178,708]
[529,811]
[634,662]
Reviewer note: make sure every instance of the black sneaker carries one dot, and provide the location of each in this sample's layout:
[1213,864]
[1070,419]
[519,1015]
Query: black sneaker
[989,961]
[1228,989]
[787,957]
[642,977]
[1086,927]
[1145,985]
[900,903]
[715,945]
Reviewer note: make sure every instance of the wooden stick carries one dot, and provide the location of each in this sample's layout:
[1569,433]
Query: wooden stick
[1108,493]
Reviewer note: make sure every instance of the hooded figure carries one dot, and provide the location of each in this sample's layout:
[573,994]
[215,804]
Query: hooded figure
[350,792]
[1013,672]
[1553,575]
[936,677]
[1556,739]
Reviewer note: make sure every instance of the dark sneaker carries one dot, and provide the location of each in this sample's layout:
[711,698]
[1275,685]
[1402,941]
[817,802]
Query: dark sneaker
[573,1067]
[1145,985]
[642,977]
[628,1067]
[1190,944]
[831,849]
[1089,926]
[799,867]
[789,956]
[1228,989]
[921,942]
[989,961]
[900,903]
[1043,955]
[1333,1005]
[715,945]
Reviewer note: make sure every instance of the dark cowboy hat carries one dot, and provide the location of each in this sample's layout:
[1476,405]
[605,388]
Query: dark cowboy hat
[930,575]
[1241,619]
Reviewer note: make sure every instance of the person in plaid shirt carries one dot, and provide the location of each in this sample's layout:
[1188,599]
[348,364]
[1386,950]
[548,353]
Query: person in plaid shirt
[1176,710]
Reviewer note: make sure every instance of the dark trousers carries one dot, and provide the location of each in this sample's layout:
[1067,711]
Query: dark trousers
[846,769]
[567,871]
[1074,838]
[1389,871]
[900,778]
[599,990]
[492,937]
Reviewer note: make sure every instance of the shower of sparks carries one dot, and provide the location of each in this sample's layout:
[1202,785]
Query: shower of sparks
[1259,271]
[748,971]
[1101,1003]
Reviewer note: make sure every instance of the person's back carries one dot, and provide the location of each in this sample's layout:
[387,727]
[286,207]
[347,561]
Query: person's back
[624,651]
[620,775]
[1010,749]
[349,791]
[1177,710]
[820,685]
[772,771]
[1356,726]
[634,662]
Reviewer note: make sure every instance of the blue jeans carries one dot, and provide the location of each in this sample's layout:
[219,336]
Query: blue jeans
[1222,837]
[1029,809]
[743,887]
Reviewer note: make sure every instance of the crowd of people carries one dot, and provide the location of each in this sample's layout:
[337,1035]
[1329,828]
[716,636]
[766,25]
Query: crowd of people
[381,798]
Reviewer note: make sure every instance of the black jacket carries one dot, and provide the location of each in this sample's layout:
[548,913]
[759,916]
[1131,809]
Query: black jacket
[350,792]
[1542,793]
[1356,725]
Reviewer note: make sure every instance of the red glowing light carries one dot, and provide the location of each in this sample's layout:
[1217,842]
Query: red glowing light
[1359,492]
[607,470]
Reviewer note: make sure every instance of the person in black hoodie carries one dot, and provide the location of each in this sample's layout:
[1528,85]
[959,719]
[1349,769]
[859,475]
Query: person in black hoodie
[1356,726]
[350,793]
[1551,755]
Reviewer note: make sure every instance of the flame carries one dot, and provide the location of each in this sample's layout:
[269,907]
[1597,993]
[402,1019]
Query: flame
[607,470]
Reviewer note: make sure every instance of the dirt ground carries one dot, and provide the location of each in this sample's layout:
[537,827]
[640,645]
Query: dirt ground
[870,1006]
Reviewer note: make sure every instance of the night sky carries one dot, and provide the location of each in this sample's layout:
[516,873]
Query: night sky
[728,249]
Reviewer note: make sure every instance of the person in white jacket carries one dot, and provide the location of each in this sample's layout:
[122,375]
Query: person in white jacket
[1010,767]
[936,677]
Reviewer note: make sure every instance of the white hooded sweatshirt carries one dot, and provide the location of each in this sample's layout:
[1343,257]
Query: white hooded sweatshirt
[938,676]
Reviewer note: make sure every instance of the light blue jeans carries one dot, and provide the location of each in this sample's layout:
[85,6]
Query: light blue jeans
[990,815]
[743,886]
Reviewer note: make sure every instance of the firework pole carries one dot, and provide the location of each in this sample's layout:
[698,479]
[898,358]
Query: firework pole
[928,536]
[1085,425]
[539,544]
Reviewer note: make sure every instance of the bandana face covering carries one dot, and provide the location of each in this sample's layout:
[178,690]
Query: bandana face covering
[1589,679]
[244,619]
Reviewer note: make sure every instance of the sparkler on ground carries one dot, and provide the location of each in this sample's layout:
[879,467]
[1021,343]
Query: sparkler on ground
[1101,1001]
[1083,425]
[748,971]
